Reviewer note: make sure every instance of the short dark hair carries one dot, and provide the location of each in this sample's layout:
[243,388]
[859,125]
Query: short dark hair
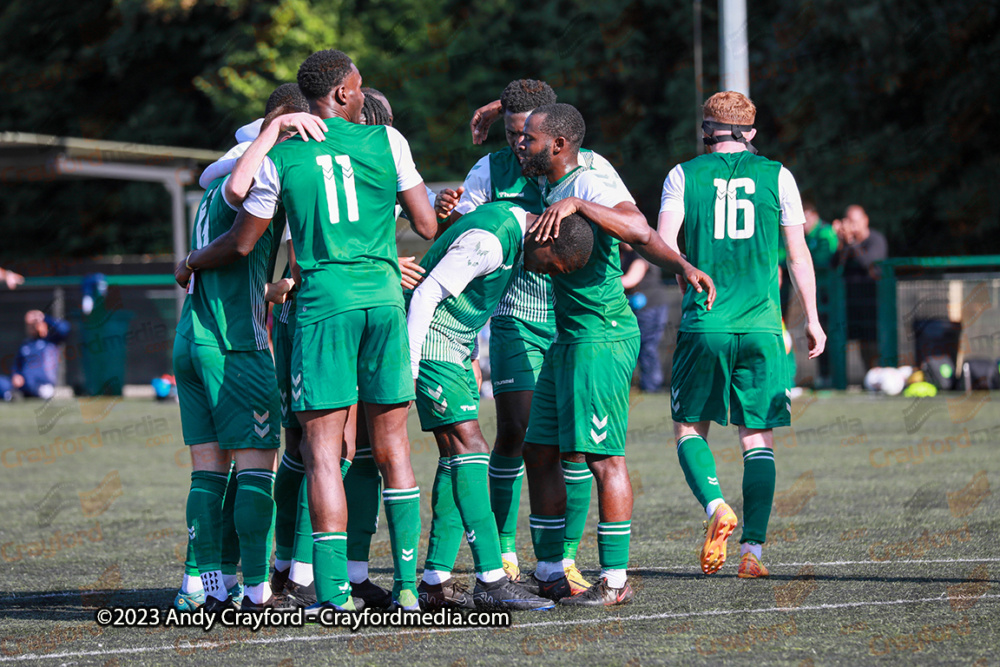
[322,72]
[526,95]
[374,111]
[574,244]
[287,95]
[562,120]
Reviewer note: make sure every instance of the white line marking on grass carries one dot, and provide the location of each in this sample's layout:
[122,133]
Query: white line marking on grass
[835,563]
[590,621]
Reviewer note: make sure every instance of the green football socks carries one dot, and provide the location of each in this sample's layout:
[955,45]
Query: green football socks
[204,518]
[579,482]
[254,515]
[470,486]
[758,493]
[363,489]
[287,482]
[402,514]
[446,521]
[506,477]
[698,465]
[330,561]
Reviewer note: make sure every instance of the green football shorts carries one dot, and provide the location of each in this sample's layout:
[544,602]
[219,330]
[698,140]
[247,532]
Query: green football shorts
[226,397]
[740,376]
[281,336]
[581,397]
[446,394]
[357,354]
[517,349]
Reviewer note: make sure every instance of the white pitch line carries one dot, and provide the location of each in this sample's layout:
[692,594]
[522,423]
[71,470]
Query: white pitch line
[526,626]
[835,563]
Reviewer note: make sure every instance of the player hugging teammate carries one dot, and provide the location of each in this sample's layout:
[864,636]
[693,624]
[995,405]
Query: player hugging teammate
[532,242]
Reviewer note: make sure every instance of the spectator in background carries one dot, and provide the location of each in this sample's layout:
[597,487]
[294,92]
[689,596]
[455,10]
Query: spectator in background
[860,249]
[11,278]
[36,367]
[647,295]
[821,239]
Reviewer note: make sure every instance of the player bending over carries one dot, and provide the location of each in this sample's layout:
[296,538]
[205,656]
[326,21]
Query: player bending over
[730,361]
[522,329]
[469,269]
[581,398]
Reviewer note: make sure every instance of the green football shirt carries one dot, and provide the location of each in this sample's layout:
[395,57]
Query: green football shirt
[590,303]
[734,205]
[474,262]
[498,177]
[225,307]
[340,197]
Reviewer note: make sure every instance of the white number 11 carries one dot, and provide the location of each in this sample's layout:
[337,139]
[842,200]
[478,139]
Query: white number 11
[350,193]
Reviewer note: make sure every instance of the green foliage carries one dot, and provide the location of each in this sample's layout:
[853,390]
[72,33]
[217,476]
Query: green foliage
[887,104]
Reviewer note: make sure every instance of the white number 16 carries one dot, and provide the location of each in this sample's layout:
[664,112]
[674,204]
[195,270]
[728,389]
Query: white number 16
[726,205]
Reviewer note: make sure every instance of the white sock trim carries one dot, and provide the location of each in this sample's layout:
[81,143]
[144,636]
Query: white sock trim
[357,571]
[491,575]
[549,571]
[435,577]
[191,584]
[712,506]
[616,578]
[301,573]
[259,593]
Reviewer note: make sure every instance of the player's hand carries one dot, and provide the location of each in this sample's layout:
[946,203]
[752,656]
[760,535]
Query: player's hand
[547,224]
[817,339]
[12,278]
[17,380]
[277,293]
[482,119]
[447,200]
[412,272]
[306,124]
[182,274]
[701,283]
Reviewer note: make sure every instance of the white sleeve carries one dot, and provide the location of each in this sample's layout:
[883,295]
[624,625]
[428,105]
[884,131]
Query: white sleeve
[262,200]
[791,202]
[475,253]
[672,198]
[603,168]
[423,303]
[250,131]
[431,197]
[224,165]
[591,186]
[478,187]
[287,236]
[406,172]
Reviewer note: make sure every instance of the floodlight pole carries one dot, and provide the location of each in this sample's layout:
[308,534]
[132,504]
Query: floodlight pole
[699,84]
[734,63]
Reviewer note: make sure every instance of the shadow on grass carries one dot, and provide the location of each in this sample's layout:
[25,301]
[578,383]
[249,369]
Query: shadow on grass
[77,605]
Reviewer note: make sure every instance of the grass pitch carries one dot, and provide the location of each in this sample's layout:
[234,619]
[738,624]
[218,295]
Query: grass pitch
[881,547]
